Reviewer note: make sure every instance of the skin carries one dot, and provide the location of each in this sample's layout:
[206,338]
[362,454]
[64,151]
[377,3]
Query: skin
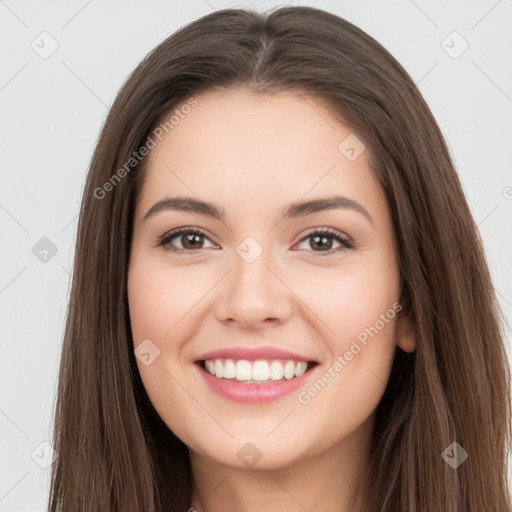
[252,155]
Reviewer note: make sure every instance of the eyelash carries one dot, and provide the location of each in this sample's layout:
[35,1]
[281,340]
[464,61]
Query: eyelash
[164,241]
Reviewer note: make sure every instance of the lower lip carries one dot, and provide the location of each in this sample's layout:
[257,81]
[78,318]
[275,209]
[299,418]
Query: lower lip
[254,393]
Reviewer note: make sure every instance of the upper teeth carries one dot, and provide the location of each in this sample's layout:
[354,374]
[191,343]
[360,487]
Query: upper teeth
[255,370]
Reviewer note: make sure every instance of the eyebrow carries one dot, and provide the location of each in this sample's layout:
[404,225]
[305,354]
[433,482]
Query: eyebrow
[293,210]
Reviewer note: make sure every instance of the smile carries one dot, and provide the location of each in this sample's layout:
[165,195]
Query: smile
[255,381]
[255,371]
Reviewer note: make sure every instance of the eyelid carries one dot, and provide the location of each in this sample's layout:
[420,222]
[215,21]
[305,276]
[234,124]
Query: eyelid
[345,241]
[169,235]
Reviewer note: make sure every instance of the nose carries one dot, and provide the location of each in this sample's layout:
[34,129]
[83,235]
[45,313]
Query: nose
[254,295]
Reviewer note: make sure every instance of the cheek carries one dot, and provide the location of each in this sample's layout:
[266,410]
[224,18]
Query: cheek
[361,350]
[158,302]
[158,299]
[352,299]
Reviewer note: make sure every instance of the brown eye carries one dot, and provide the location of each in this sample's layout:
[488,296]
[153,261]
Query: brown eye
[321,242]
[191,241]
[185,240]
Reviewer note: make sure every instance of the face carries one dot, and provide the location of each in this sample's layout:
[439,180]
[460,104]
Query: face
[257,292]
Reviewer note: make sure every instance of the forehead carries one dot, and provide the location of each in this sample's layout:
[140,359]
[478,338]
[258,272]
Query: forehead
[269,147]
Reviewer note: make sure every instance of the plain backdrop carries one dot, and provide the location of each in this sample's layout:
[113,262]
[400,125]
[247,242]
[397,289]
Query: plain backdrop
[52,107]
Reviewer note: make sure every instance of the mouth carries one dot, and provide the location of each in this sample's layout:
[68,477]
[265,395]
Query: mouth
[262,371]
[255,374]
[255,382]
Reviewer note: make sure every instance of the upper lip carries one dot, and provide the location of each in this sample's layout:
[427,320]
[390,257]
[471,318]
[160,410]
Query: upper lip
[252,354]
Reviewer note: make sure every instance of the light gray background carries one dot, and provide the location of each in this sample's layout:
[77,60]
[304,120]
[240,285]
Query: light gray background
[52,110]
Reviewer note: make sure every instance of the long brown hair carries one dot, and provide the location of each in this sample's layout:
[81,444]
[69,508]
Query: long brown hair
[114,451]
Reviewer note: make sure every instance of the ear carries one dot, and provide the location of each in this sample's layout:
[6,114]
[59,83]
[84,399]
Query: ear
[405,332]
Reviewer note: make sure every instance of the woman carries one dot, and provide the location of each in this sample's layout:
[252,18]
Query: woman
[280,299]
